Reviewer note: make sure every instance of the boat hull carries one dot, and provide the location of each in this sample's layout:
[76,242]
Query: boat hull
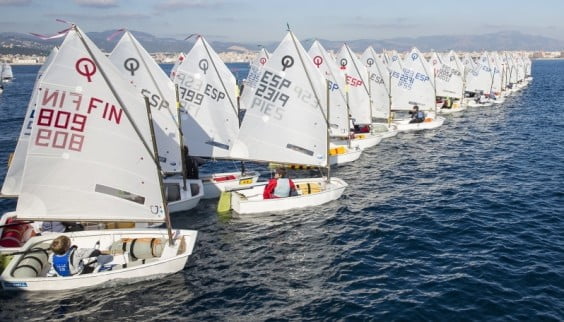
[405,126]
[172,260]
[180,199]
[250,201]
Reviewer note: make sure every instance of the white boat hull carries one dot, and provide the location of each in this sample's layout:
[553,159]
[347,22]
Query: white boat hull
[180,199]
[362,140]
[251,201]
[453,109]
[470,102]
[215,184]
[350,155]
[172,260]
[385,130]
[405,126]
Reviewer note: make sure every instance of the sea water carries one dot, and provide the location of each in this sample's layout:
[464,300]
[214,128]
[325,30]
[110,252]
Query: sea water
[464,222]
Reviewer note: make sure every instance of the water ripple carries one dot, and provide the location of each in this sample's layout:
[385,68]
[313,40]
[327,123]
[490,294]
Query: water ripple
[461,223]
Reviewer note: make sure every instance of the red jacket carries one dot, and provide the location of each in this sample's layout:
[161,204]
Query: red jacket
[269,188]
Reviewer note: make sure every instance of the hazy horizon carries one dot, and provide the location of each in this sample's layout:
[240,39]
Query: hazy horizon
[255,22]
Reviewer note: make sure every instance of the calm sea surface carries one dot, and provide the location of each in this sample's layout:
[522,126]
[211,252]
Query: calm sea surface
[465,222]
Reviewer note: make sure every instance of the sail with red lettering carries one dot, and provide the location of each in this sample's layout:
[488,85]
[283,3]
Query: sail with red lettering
[254,71]
[261,58]
[208,100]
[91,156]
[338,115]
[285,120]
[356,77]
[13,180]
[137,66]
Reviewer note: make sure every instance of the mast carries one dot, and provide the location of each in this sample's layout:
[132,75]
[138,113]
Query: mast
[327,134]
[390,115]
[370,97]
[165,204]
[182,156]
[348,113]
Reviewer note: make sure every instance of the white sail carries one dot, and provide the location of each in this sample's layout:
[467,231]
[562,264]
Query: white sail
[468,63]
[285,121]
[452,60]
[255,67]
[356,77]
[413,85]
[261,58]
[338,115]
[497,70]
[513,74]
[379,83]
[207,89]
[178,62]
[90,156]
[137,66]
[480,78]
[13,181]
[448,79]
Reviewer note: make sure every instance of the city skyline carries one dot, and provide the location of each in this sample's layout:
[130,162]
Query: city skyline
[265,21]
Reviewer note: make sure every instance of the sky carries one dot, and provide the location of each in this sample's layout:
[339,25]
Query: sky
[265,20]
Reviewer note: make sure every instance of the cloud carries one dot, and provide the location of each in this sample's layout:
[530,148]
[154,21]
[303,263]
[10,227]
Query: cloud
[114,17]
[171,5]
[96,3]
[14,2]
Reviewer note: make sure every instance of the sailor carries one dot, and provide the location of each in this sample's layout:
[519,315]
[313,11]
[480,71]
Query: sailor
[279,186]
[417,116]
[70,260]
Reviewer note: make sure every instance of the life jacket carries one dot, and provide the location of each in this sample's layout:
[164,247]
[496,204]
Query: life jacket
[420,115]
[282,188]
[61,263]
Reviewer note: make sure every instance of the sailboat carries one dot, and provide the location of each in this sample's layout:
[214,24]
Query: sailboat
[287,123]
[412,86]
[137,66]
[479,82]
[448,83]
[358,94]
[379,88]
[6,76]
[210,114]
[91,157]
[343,148]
